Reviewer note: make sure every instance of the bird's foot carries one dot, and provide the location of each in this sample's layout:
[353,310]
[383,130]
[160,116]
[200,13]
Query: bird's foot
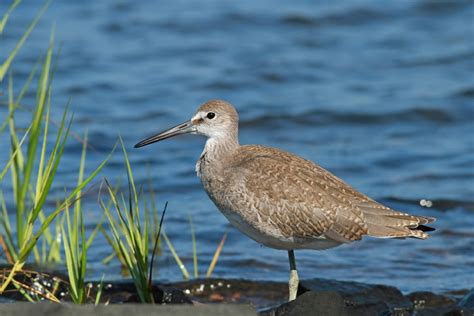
[293,285]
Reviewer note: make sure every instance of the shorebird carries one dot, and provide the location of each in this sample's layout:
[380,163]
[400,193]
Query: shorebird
[279,199]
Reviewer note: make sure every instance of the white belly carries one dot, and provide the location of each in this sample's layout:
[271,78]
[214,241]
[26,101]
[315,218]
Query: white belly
[274,239]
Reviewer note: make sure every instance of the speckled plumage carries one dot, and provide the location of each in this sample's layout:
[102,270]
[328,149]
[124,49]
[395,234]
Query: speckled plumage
[287,202]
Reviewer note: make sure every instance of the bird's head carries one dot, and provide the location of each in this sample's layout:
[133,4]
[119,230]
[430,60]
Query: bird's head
[215,119]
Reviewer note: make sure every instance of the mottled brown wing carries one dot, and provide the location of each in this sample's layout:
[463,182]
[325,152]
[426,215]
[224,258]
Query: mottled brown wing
[355,213]
[292,195]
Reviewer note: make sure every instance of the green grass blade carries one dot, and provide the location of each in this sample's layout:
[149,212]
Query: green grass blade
[14,105]
[99,291]
[18,164]
[157,239]
[176,257]
[110,240]
[6,16]
[130,174]
[27,248]
[80,177]
[83,260]
[39,177]
[110,257]
[42,91]
[5,222]
[26,86]
[12,126]
[193,239]
[54,245]
[216,256]
[13,155]
[50,173]
[93,234]
[6,64]
[69,265]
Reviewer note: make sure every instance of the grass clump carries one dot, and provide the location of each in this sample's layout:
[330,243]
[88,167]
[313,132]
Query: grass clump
[130,235]
[152,228]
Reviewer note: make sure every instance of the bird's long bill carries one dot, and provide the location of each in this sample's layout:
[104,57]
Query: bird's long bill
[183,128]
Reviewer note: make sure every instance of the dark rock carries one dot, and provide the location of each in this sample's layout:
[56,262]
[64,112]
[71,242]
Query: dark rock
[171,295]
[430,304]
[126,293]
[422,300]
[443,311]
[260,294]
[457,294]
[4,299]
[312,303]
[37,284]
[361,298]
[468,300]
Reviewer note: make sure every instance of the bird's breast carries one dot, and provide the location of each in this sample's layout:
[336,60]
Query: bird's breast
[210,175]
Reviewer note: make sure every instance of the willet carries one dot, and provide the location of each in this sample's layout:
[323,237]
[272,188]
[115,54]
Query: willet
[279,199]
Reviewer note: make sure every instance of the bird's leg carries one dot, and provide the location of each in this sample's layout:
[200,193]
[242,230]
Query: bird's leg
[294,280]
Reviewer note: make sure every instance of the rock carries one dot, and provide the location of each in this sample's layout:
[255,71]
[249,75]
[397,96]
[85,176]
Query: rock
[4,300]
[260,294]
[36,283]
[126,293]
[361,298]
[422,300]
[430,304]
[170,295]
[468,300]
[312,303]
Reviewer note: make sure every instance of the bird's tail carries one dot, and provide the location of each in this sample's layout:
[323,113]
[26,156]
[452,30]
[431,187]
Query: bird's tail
[386,223]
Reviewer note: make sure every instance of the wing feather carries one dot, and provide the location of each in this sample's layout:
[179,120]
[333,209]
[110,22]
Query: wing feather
[302,199]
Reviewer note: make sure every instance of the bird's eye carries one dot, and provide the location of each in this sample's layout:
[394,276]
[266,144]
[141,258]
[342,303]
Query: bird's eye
[211,115]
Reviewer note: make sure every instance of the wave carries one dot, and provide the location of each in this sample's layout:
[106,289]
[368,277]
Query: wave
[324,117]
[353,16]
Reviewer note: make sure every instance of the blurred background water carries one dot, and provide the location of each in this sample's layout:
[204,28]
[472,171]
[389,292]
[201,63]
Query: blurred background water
[380,93]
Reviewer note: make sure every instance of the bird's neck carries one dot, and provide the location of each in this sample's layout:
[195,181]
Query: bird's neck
[218,148]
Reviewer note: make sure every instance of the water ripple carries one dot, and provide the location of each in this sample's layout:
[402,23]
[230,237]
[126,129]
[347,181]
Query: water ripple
[324,117]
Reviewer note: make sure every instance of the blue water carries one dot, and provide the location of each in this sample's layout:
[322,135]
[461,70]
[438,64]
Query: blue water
[380,93]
